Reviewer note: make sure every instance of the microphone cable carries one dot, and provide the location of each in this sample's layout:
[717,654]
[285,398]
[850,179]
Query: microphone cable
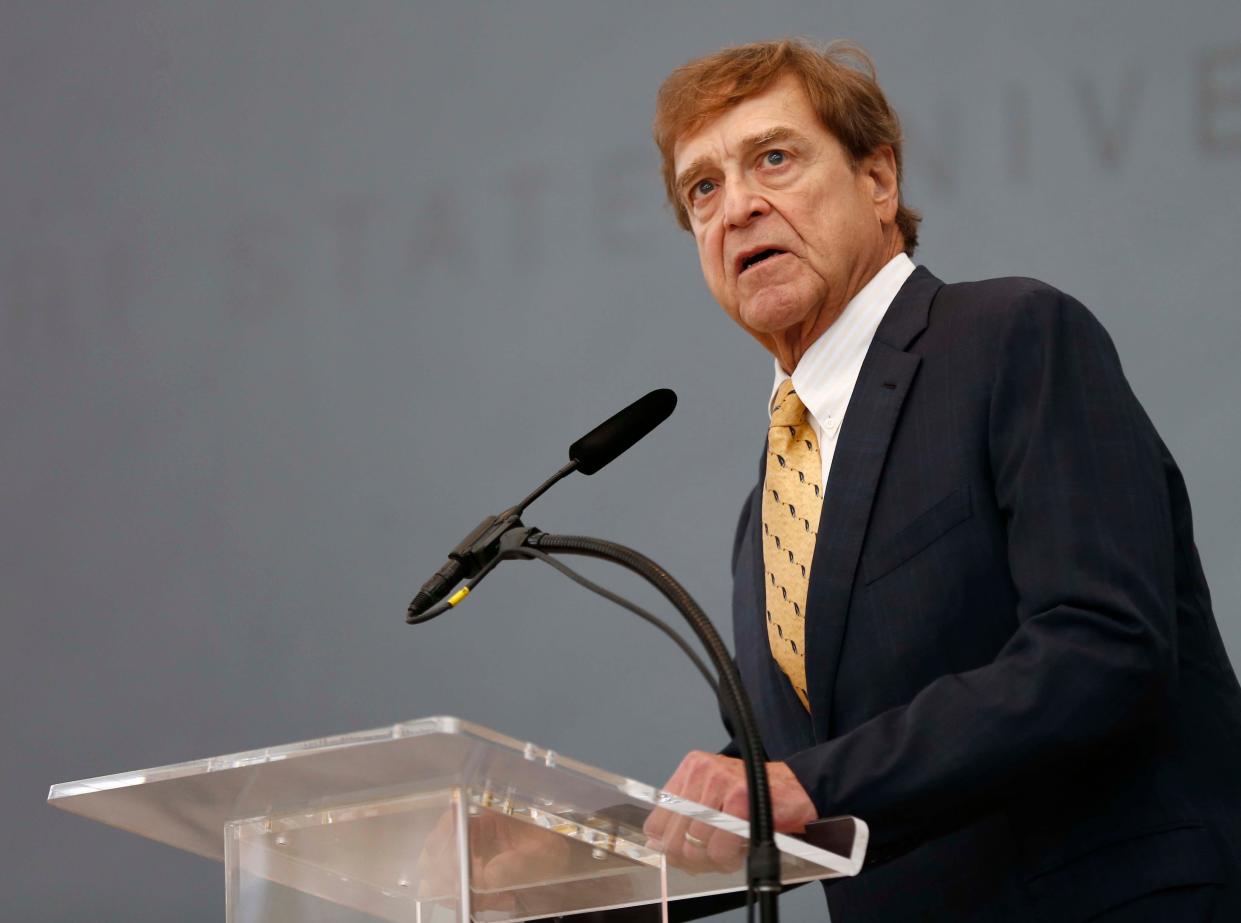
[679,640]
[529,554]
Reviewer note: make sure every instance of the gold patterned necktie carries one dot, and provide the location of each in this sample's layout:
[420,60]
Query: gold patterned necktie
[792,502]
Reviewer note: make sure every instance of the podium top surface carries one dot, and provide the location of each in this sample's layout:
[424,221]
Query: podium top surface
[187,805]
[191,805]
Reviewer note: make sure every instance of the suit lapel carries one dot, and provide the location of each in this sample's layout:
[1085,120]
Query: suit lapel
[884,381]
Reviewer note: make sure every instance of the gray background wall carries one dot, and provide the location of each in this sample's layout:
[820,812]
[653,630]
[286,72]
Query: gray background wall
[291,294]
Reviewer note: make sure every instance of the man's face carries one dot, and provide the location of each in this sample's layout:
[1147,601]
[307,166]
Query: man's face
[788,229]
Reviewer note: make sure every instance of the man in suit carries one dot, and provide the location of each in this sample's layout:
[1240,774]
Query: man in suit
[967,602]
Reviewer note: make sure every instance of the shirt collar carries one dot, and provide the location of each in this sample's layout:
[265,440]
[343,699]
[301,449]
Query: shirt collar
[825,375]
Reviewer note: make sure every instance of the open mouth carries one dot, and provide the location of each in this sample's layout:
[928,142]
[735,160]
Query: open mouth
[756,258]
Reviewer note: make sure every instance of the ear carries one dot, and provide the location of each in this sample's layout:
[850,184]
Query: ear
[880,169]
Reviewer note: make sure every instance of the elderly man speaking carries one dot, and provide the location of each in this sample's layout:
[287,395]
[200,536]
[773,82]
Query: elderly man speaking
[967,602]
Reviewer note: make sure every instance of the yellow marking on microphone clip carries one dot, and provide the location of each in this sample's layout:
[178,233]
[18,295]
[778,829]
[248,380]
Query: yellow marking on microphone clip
[458,596]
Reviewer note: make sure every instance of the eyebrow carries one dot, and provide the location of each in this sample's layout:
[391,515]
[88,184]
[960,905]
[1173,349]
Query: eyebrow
[770,136]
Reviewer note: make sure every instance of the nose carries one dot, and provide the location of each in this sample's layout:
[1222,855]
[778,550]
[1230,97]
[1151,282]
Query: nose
[743,203]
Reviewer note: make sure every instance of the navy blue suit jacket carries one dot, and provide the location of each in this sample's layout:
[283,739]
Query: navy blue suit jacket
[1014,673]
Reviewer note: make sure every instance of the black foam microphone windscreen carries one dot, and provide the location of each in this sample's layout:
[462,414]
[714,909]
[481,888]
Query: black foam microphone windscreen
[618,433]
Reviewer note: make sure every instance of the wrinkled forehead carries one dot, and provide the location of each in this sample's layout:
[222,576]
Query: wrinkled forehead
[781,108]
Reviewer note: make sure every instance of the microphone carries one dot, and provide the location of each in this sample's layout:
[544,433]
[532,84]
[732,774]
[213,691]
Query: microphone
[504,536]
[618,434]
[599,447]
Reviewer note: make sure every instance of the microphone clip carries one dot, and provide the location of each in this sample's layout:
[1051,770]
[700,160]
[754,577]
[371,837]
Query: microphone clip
[493,536]
[483,543]
[472,556]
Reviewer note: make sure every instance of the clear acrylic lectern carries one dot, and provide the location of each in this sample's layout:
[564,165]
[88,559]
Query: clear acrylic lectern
[430,821]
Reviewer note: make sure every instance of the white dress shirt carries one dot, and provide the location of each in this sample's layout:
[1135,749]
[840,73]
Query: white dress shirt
[828,371]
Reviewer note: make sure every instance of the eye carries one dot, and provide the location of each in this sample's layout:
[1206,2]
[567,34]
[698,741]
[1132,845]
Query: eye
[703,187]
[775,158]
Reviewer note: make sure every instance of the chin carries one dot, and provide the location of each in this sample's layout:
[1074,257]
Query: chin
[771,313]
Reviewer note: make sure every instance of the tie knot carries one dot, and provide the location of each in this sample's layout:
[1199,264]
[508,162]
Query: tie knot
[787,410]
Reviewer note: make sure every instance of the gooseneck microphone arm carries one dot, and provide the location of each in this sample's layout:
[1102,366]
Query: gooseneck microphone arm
[543,488]
[763,863]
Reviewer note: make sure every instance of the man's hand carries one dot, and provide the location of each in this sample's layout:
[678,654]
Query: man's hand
[511,861]
[718,782]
